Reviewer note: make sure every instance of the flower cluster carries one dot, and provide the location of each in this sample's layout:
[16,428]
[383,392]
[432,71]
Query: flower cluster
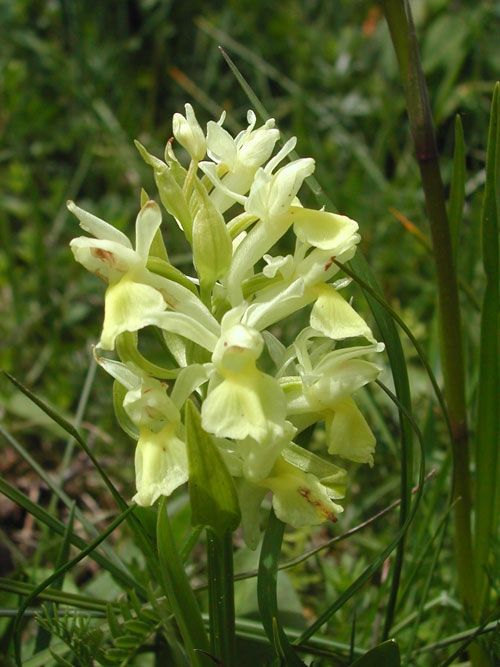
[234,203]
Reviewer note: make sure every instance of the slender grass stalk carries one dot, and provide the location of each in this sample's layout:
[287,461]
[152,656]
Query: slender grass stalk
[91,605]
[221,596]
[457,188]
[487,416]
[402,31]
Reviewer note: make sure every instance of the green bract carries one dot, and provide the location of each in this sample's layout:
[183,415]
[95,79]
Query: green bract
[216,324]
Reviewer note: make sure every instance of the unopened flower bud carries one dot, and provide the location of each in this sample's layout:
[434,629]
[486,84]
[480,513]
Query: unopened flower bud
[212,245]
[189,134]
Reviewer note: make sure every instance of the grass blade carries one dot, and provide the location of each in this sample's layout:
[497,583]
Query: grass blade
[60,572]
[267,592]
[487,416]
[397,362]
[377,563]
[43,635]
[403,34]
[60,494]
[140,535]
[179,593]
[89,604]
[457,190]
[59,528]
[71,430]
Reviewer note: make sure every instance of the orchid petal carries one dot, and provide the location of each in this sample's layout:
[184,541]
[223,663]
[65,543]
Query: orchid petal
[188,381]
[107,259]
[300,499]
[339,381]
[181,299]
[221,146]
[160,464]
[97,227]
[189,134]
[147,224]
[129,306]
[260,457]
[237,346]
[123,373]
[243,405]
[185,325]
[252,248]
[324,230]
[149,405]
[267,310]
[334,317]
[349,435]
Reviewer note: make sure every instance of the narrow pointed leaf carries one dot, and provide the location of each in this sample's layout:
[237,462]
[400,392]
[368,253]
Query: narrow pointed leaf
[221,596]
[180,596]
[214,502]
[267,592]
[44,635]
[386,654]
[488,404]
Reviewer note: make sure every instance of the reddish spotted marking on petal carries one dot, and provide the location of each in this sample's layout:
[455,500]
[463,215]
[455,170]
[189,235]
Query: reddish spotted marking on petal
[169,300]
[152,412]
[103,256]
[306,493]
[328,264]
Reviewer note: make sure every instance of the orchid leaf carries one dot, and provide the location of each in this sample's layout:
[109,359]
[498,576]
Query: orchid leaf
[386,654]
[214,502]
[267,592]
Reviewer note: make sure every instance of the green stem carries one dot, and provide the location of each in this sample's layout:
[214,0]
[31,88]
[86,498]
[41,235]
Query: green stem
[405,43]
[221,596]
[488,387]
[189,182]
